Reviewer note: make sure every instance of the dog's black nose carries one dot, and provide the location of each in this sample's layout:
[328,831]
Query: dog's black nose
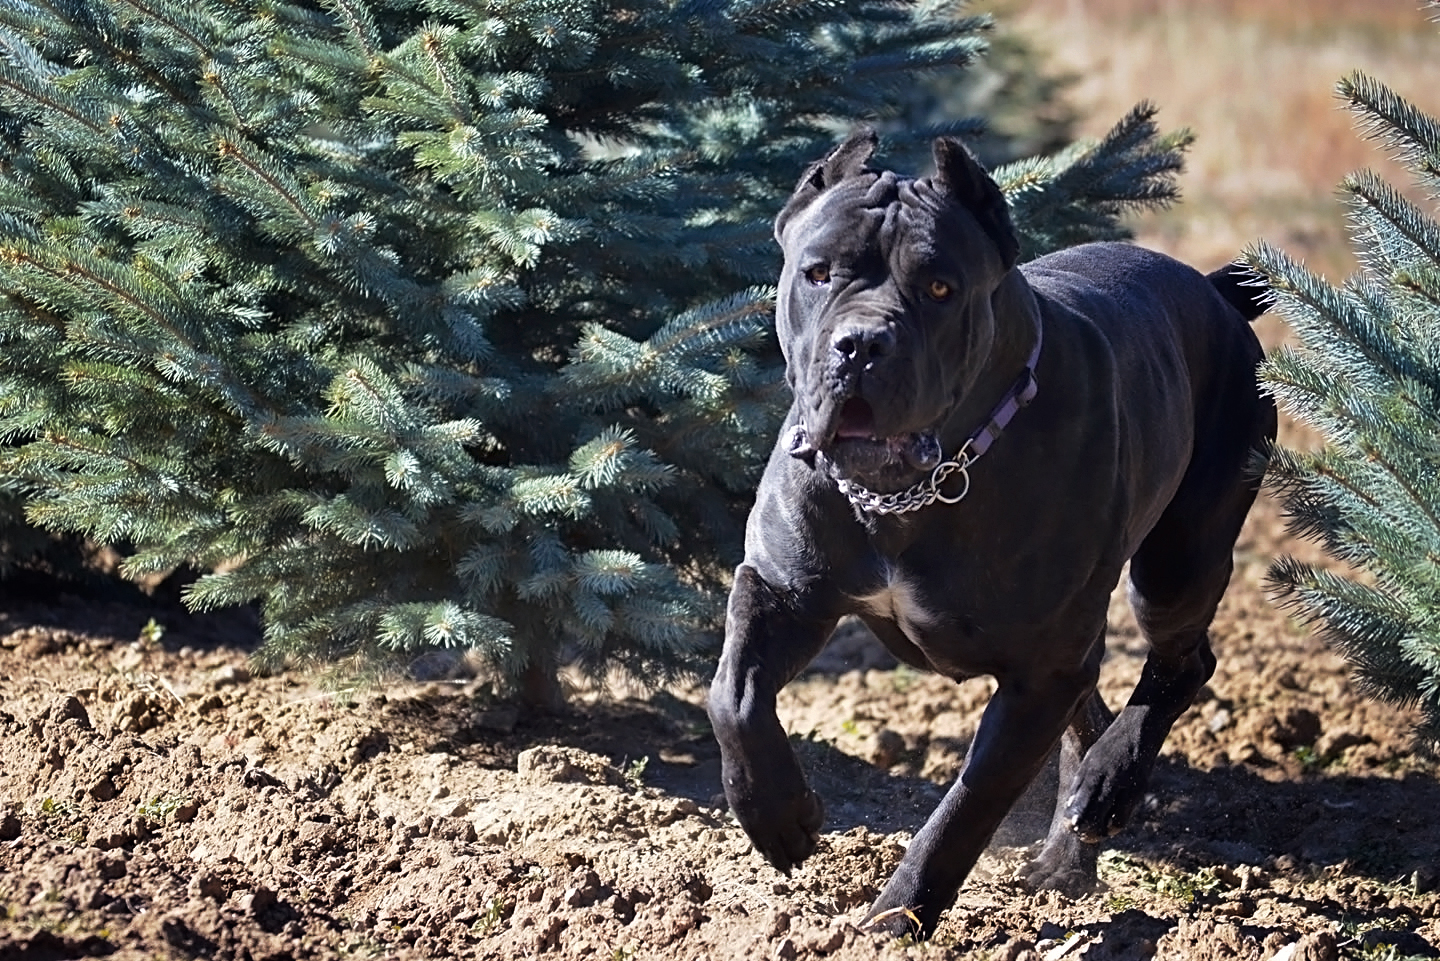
[864,344]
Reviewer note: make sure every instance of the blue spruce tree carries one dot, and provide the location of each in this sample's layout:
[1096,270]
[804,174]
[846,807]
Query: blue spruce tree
[1366,375]
[438,323]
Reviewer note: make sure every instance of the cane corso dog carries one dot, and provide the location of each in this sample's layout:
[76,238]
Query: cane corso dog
[974,451]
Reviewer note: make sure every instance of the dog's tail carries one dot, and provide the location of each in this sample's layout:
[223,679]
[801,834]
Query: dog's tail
[1239,286]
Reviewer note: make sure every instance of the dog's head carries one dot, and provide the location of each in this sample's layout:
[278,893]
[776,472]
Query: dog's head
[884,310]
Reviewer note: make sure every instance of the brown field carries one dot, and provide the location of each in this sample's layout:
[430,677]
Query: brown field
[1254,80]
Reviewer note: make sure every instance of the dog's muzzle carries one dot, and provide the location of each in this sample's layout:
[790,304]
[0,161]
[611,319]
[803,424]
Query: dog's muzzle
[920,451]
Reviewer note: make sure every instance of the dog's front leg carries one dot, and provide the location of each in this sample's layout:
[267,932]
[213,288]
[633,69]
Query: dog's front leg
[767,642]
[1020,726]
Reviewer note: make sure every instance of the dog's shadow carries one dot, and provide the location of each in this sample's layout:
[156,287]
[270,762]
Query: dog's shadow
[1378,826]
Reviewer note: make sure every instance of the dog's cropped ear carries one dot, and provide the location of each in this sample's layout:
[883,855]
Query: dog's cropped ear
[846,160]
[958,172]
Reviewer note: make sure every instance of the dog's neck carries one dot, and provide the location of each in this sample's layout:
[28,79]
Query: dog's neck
[1018,317]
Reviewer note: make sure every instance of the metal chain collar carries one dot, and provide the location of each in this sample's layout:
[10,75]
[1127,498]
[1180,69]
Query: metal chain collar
[913,498]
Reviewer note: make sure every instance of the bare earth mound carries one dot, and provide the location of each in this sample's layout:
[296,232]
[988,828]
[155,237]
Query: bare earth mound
[157,801]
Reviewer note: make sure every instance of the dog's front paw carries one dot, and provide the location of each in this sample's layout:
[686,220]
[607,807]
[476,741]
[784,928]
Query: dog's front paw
[1102,804]
[1108,788]
[784,830]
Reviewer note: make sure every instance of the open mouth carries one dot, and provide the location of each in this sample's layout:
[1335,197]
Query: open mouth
[854,449]
[857,421]
[857,450]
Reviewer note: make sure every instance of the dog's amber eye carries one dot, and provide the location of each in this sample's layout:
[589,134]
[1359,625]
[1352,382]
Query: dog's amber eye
[818,275]
[938,290]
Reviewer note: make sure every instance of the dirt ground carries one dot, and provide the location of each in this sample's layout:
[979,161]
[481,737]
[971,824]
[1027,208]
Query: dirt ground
[159,801]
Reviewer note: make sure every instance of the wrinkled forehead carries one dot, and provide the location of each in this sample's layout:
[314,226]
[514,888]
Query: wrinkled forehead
[869,209]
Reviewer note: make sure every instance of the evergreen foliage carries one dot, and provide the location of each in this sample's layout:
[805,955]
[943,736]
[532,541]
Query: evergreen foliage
[1366,375]
[437,323]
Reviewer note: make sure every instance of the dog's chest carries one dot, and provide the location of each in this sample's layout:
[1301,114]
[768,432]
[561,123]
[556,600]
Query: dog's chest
[900,600]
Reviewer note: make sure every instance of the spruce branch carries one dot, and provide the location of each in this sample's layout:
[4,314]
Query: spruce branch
[1411,135]
[359,26]
[25,91]
[1406,222]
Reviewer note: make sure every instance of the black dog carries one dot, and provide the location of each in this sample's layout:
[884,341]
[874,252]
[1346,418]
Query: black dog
[912,343]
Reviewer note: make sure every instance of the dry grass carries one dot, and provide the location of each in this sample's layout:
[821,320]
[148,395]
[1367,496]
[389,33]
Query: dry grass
[1254,79]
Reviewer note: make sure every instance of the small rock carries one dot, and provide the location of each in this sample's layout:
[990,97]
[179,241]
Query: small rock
[825,941]
[257,901]
[1226,875]
[112,866]
[1244,752]
[103,789]
[137,713]
[89,895]
[67,708]
[207,884]
[457,808]
[37,645]
[9,826]
[785,950]
[229,675]
[1252,878]
[1016,950]
[1236,908]
[585,890]
[1317,946]
[551,763]
[117,832]
[886,748]
[495,833]
[455,829]
[317,835]
[218,851]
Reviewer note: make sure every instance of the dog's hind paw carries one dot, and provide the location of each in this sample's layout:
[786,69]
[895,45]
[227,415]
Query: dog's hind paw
[1072,884]
[1068,867]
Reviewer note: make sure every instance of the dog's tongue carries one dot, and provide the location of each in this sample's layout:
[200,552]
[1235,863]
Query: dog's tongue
[857,419]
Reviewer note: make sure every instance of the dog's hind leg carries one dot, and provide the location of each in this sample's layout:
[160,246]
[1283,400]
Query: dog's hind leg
[1115,772]
[1177,578]
[1066,863]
